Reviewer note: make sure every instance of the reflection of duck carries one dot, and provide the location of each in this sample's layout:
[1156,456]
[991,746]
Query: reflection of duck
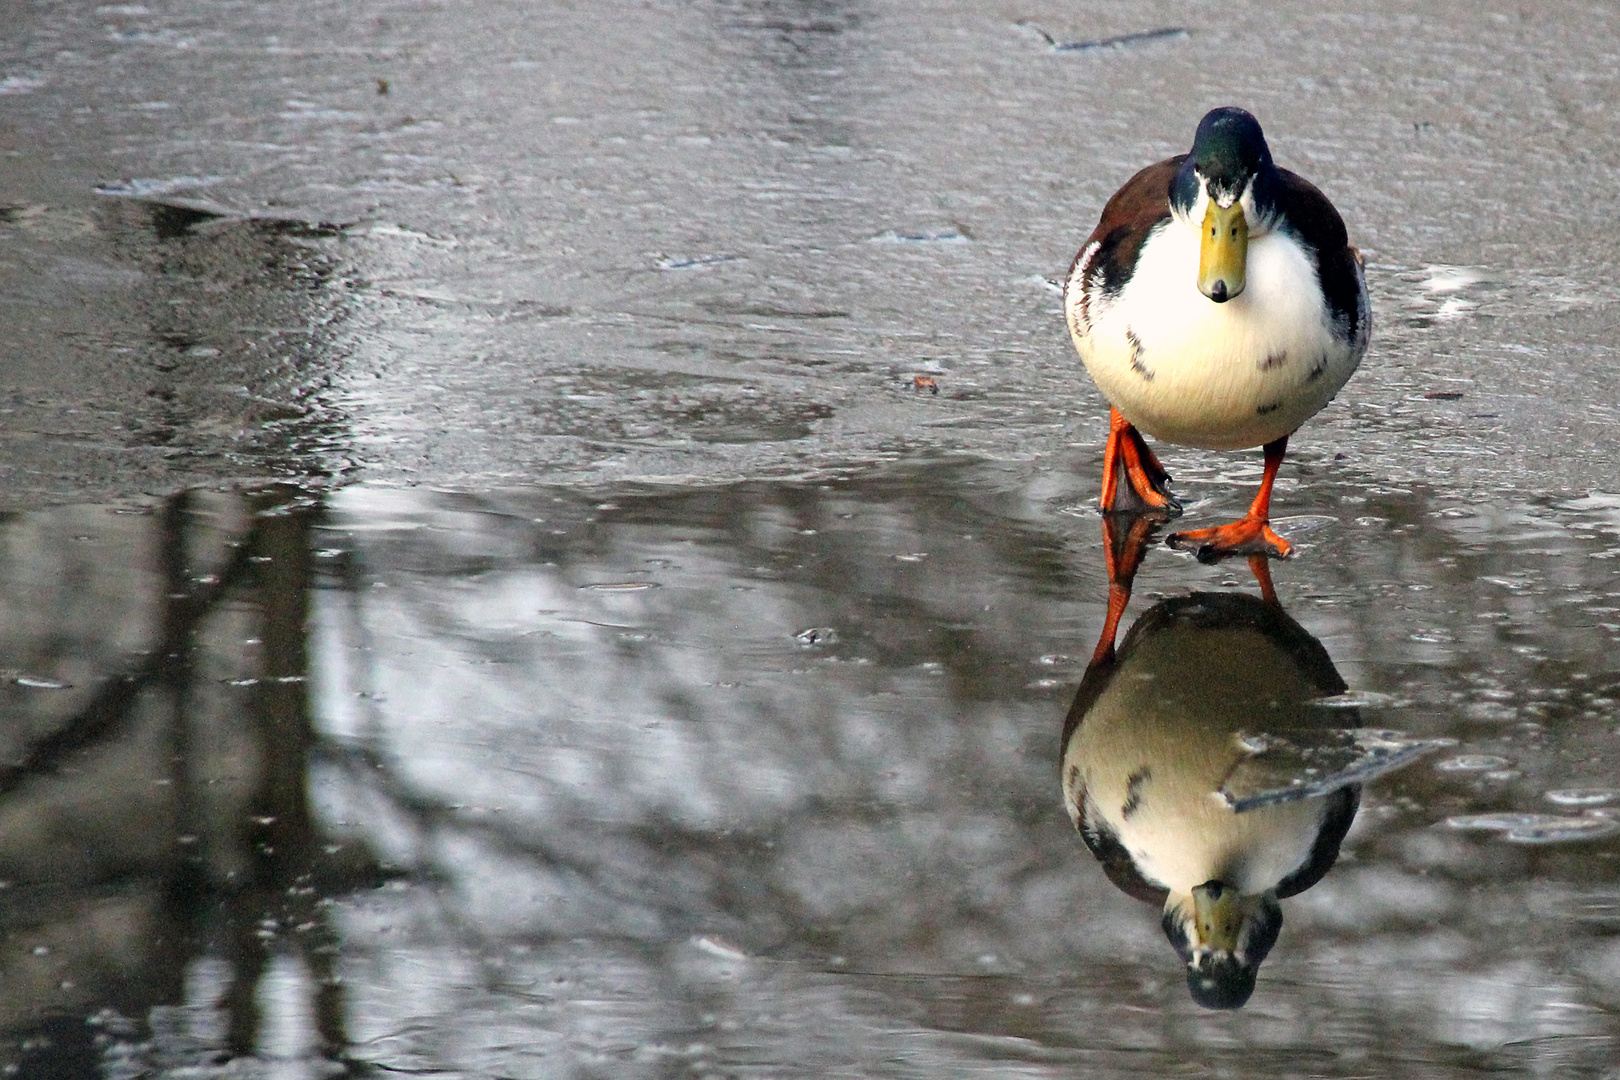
[1217,304]
[1202,771]
[1154,733]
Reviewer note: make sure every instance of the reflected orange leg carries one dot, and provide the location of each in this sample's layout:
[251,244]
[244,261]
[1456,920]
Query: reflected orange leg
[1128,453]
[1248,535]
[1260,567]
[1125,543]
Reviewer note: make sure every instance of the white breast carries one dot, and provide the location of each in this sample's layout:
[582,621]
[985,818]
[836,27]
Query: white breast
[1184,835]
[1219,376]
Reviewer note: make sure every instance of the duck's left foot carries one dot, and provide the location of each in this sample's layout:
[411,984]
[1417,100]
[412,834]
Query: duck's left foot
[1250,536]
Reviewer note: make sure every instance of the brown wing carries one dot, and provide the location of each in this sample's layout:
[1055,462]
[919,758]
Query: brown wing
[1126,221]
[1314,220]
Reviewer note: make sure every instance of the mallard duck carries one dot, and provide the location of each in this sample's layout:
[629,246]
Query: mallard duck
[1219,305]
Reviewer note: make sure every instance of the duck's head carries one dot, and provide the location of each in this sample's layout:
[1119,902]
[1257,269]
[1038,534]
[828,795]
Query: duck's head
[1222,936]
[1225,187]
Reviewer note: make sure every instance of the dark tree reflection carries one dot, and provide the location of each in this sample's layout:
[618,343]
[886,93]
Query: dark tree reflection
[196,753]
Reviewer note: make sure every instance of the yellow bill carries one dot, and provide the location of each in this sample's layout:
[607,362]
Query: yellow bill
[1224,254]
[1217,912]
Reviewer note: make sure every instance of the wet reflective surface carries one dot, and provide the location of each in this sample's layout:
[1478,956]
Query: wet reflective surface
[486,590]
[635,781]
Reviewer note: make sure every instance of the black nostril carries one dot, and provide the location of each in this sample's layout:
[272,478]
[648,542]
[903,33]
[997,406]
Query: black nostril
[1217,292]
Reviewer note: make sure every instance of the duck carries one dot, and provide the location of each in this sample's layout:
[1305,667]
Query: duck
[1217,305]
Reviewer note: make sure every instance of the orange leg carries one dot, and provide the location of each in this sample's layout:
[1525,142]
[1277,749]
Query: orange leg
[1128,457]
[1249,535]
[1125,543]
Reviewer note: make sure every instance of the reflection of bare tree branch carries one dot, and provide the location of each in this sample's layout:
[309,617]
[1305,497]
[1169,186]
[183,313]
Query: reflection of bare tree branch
[429,817]
[371,769]
[657,870]
[112,702]
[663,844]
[597,871]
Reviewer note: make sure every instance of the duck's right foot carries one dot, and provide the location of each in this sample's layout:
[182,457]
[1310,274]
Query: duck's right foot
[1133,479]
